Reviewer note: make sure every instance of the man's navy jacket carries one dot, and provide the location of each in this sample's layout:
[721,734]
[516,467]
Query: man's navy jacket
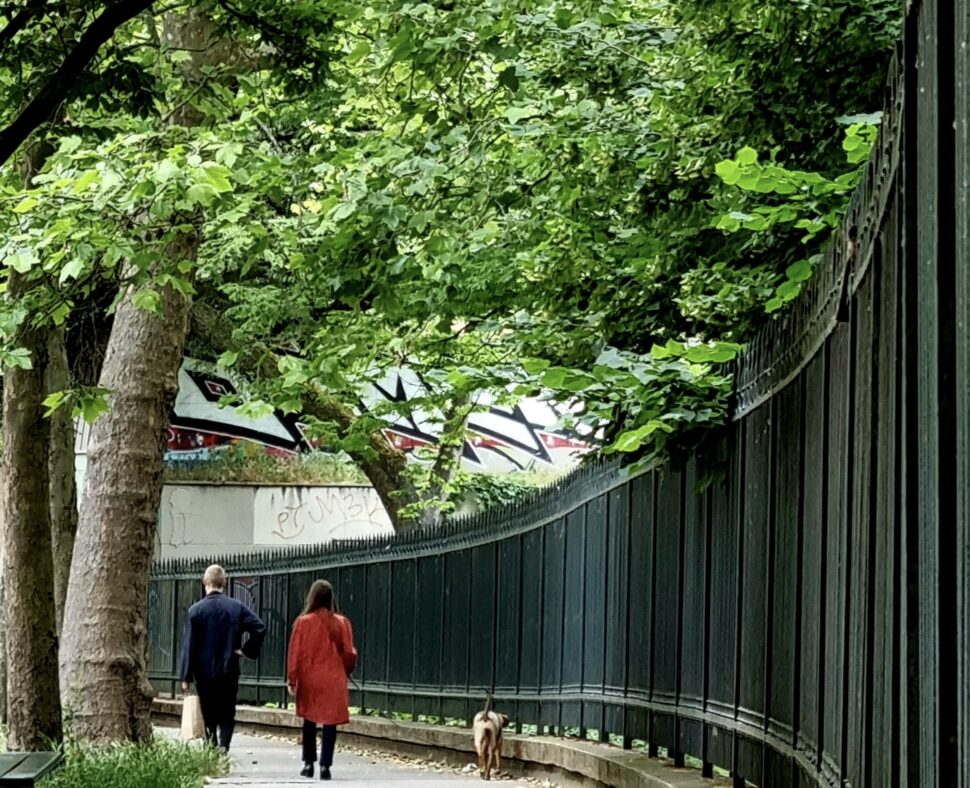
[213,633]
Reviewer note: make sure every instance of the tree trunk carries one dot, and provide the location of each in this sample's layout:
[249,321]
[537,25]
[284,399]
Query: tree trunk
[3,615]
[63,487]
[32,698]
[33,702]
[104,643]
[451,446]
[105,627]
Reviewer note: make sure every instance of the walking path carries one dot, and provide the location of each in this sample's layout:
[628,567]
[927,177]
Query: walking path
[269,762]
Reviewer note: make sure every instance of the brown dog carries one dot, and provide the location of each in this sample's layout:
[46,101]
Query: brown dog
[487,728]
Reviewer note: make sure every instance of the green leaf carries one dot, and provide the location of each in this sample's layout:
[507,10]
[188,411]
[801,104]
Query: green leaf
[700,354]
[71,270]
[359,52]
[92,404]
[728,171]
[149,300]
[747,155]
[166,171]
[227,359]
[676,348]
[518,114]
[554,377]
[228,153]
[535,366]
[70,144]
[800,271]
[627,442]
[54,401]
[869,119]
[634,439]
[218,177]
[88,178]
[343,211]
[18,357]
[201,194]
[21,261]
[25,205]
[289,406]
[255,409]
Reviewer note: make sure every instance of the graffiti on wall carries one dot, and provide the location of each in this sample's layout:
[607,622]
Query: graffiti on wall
[208,519]
[312,515]
[520,437]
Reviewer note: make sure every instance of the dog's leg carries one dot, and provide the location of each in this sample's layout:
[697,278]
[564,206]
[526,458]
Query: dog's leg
[488,756]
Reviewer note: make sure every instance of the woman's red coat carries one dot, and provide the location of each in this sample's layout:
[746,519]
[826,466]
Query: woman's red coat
[322,656]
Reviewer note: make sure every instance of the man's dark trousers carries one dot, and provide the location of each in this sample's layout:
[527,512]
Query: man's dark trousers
[217,697]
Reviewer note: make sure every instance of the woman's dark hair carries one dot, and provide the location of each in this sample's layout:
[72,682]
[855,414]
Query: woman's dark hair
[321,595]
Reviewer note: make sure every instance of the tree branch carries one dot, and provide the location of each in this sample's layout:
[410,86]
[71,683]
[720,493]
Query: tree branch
[19,22]
[382,463]
[62,82]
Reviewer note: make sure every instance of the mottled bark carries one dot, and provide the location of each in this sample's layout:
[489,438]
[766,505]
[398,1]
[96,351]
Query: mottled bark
[105,648]
[32,699]
[3,616]
[63,487]
[33,702]
[104,638]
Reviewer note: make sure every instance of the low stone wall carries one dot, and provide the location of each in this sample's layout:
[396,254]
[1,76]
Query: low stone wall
[573,763]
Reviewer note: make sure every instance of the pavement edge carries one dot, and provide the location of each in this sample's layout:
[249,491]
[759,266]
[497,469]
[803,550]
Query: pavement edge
[581,763]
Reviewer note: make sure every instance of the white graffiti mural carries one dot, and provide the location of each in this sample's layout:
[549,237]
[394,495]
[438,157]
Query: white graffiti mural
[521,437]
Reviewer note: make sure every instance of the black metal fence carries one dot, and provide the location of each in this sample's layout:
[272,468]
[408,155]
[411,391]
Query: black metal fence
[801,622]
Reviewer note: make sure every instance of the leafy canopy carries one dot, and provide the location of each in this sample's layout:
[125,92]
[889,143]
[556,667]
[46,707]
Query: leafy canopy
[597,202]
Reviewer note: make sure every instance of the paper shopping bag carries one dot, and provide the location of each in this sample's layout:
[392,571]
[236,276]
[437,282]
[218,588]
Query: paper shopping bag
[192,725]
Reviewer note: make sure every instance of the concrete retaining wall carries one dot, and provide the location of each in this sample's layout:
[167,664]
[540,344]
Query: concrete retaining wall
[197,520]
[573,763]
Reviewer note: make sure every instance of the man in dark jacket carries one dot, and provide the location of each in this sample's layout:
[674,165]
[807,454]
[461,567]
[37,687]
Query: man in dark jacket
[211,652]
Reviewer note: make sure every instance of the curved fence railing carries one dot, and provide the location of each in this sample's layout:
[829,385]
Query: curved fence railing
[800,621]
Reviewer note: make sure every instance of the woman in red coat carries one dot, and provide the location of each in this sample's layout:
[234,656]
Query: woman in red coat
[321,657]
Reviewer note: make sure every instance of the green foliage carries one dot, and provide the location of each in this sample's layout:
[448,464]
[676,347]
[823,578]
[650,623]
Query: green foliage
[85,402]
[237,465]
[163,764]
[484,491]
[513,198]
[807,201]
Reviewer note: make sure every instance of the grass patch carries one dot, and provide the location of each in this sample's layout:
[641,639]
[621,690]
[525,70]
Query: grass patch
[162,764]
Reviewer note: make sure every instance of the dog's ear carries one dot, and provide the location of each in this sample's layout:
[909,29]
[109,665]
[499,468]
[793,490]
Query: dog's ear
[504,718]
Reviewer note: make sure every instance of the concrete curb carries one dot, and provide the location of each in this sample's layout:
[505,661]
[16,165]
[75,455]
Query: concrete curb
[581,763]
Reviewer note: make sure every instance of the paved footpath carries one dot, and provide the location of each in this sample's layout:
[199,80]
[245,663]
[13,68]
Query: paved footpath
[269,762]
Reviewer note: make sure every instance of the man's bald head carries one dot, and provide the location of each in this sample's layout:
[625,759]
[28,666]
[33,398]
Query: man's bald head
[214,578]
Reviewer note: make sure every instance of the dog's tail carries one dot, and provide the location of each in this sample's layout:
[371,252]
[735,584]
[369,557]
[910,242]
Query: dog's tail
[488,704]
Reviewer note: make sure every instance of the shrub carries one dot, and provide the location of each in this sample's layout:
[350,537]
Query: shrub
[163,764]
[241,466]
